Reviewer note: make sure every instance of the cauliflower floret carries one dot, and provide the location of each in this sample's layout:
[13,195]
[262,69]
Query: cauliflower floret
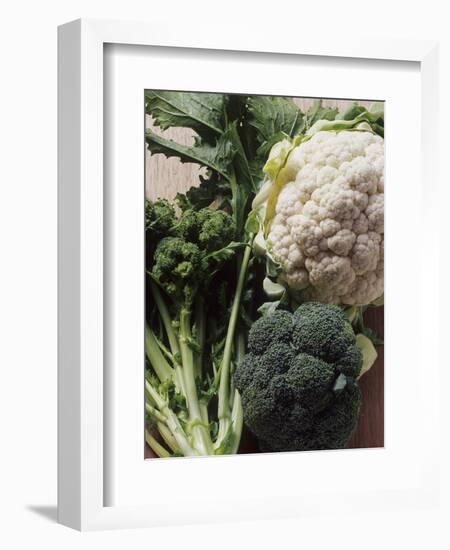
[328,227]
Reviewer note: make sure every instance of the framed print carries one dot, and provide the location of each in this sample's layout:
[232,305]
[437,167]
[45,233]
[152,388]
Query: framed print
[232,299]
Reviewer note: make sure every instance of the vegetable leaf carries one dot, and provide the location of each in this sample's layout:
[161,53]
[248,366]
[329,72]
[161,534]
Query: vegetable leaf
[242,167]
[226,252]
[373,336]
[210,190]
[319,112]
[271,115]
[202,112]
[351,112]
[217,157]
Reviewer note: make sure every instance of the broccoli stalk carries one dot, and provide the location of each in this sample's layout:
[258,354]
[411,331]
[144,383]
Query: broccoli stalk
[178,405]
[200,434]
[224,410]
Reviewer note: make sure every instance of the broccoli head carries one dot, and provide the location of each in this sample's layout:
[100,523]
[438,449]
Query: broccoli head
[184,261]
[322,331]
[159,218]
[178,268]
[298,379]
[271,329]
[210,229]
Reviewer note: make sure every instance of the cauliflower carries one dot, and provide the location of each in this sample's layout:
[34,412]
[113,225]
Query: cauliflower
[324,215]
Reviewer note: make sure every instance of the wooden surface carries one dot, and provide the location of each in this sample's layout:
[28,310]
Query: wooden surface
[165,177]
[370,430]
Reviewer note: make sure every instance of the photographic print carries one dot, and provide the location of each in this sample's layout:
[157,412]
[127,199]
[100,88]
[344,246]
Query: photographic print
[264,275]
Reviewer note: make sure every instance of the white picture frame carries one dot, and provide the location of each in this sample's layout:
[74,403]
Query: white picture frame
[81,427]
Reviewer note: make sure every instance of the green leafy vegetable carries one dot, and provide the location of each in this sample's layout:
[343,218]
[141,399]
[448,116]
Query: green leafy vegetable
[206,288]
[217,157]
[202,112]
[271,115]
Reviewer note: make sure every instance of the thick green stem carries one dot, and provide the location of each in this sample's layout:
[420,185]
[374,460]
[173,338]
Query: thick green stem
[200,432]
[162,368]
[224,412]
[168,437]
[154,413]
[172,421]
[166,352]
[237,422]
[171,335]
[166,319]
[159,363]
[204,412]
[239,353]
[237,414]
[155,446]
[200,330]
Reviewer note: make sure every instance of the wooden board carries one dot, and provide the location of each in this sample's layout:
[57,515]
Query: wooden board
[370,430]
[165,177]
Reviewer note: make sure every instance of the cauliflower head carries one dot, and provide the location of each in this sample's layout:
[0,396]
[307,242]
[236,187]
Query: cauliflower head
[326,228]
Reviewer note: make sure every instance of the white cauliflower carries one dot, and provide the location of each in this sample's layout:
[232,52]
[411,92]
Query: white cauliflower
[326,226]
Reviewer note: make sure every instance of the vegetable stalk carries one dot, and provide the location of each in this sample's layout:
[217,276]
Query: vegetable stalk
[224,412]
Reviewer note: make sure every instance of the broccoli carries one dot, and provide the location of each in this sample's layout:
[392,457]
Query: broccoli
[185,262]
[217,229]
[298,379]
[208,228]
[193,248]
[270,330]
[178,268]
[159,218]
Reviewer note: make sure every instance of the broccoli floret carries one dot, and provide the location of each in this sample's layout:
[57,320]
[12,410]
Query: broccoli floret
[298,391]
[335,424]
[322,330]
[266,408]
[187,227]
[159,218]
[210,229]
[269,330]
[217,229]
[180,263]
[266,404]
[255,368]
[244,375]
[350,362]
[330,429]
[178,268]
[311,380]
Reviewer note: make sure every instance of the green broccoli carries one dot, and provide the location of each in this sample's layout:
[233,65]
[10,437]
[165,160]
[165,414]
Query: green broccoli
[178,268]
[210,229]
[159,218]
[298,380]
[181,266]
[185,262]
